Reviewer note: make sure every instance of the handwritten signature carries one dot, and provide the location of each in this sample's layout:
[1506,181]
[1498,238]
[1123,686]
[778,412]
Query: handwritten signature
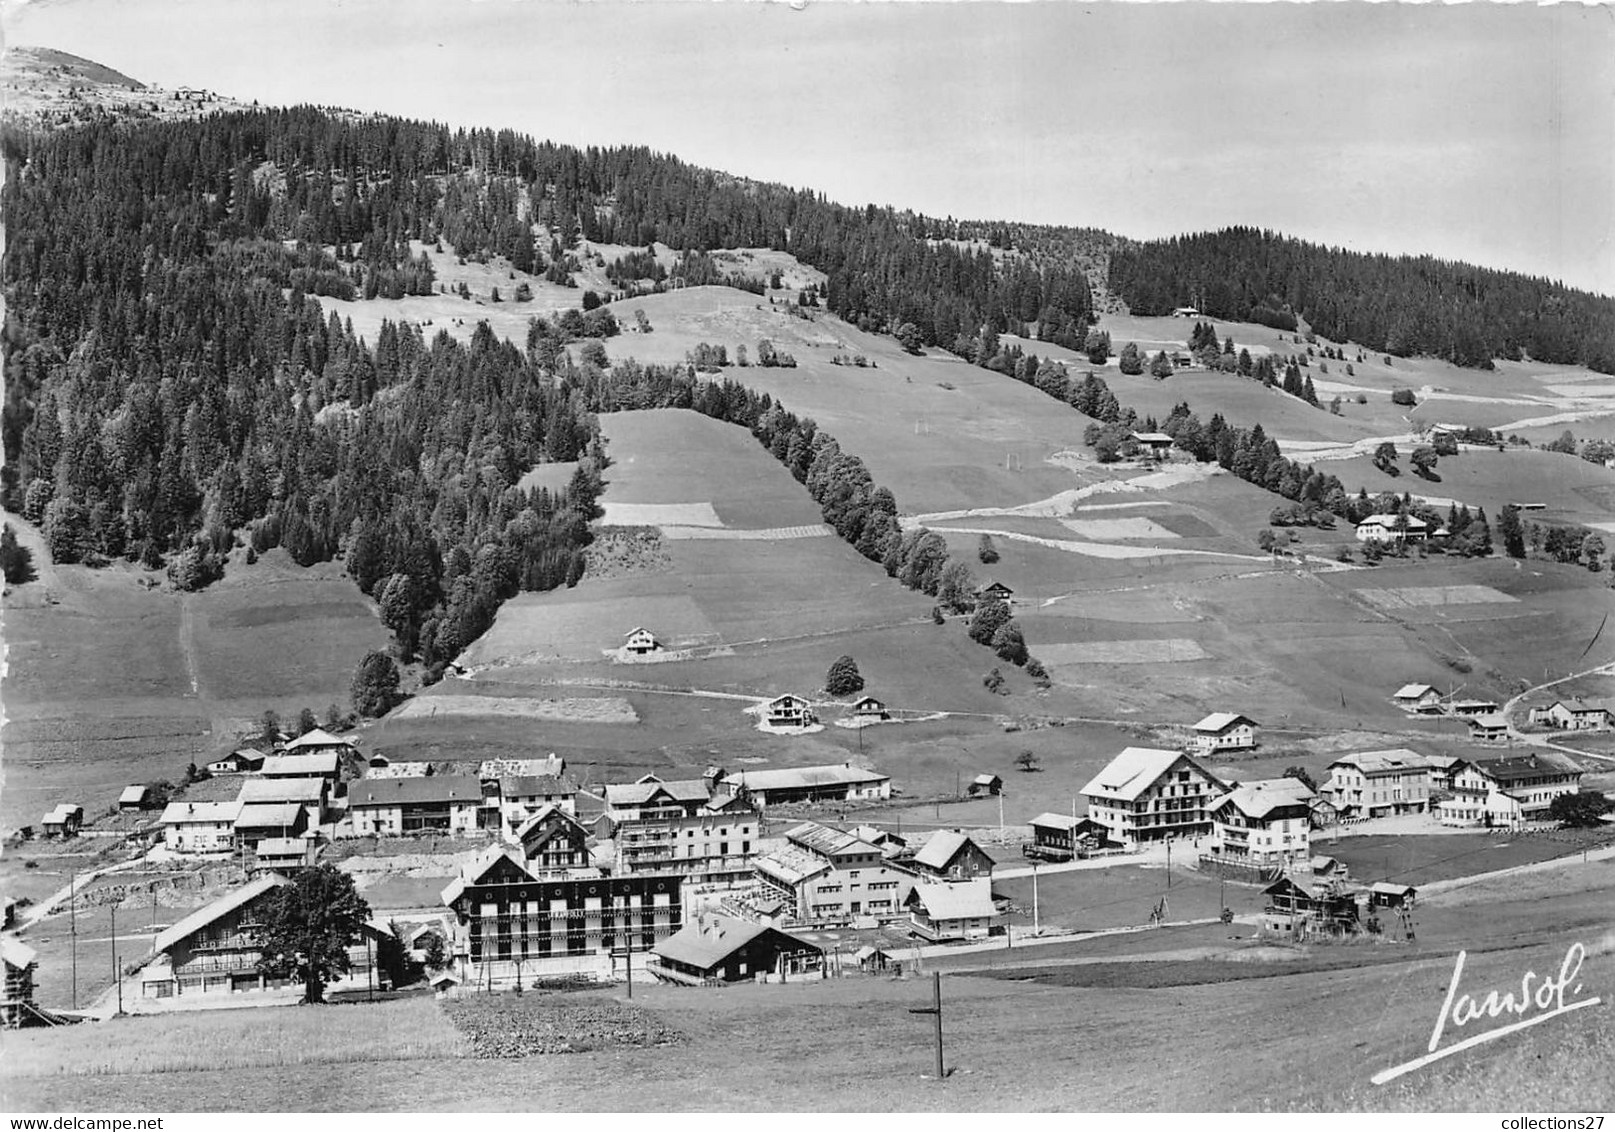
[1538,999]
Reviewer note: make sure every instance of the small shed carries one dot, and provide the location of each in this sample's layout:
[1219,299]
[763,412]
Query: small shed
[64,821]
[874,959]
[1385,894]
[868,707]
[994,590]
[237,762]
[985,784]
[135,798]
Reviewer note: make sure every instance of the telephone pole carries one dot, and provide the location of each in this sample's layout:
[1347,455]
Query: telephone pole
[73,932]
[935,1010]
[117,978]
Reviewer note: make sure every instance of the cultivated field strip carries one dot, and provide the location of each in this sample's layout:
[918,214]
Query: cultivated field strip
[1413,597]
[608,709]
[768,534]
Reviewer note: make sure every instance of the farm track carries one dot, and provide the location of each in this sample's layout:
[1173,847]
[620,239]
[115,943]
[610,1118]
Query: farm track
[1536,739]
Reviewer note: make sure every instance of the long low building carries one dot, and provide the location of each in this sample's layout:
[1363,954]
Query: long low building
[723,949]
[842,782]
[388,807]
[200,827]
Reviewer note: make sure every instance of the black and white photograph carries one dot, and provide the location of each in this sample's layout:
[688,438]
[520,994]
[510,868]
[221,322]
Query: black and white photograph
[762,557]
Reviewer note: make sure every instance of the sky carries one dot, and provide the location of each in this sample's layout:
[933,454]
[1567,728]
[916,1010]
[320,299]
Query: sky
[1481,132]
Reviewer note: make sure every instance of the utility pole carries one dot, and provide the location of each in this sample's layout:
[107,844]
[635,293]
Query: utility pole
[370,968]
[935,1010]
[1169,862]
[73,931]
[1000,811]
[117,979]
[1036,928]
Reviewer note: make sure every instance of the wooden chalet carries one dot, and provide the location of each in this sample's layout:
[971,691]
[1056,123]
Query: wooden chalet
[1061,837]
[64,821]
[136,798]
[961,909]
[1296,908]
[994,590]
[17,1000]
[950,855]
[788,711]
[238,761]
[869,708]
[722,949]
[553,841]
[641,642]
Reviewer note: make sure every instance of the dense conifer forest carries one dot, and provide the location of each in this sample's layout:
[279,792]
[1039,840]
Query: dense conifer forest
[1400,305]
[173,384]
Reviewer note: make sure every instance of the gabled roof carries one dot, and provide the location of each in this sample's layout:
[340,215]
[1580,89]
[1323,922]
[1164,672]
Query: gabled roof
[1219,721]
[865,701]
[1063,822]
[503,768]
[1383,762]
[414,791]
[312,764]
[269,815]
[1286,786]
[1413,691]
[993,584]
[786,778]
[790,866]
[784,697]
[547,813]
[474,870]
[1133,771]
[1152,438]
[708,940]
[956,900]
[15,952]
[282,847]
[638,793]
[534,785]
[942,847]
[134,794]
[1579,707]
[319,737]
[185,813]
[986,780]
[221,907]
[1386,520]
[1489,721]
[877,836]
[636,631]
[63,811]
[1258,803]
[1389,889]
[1517,768]
[305,790]
[827,842]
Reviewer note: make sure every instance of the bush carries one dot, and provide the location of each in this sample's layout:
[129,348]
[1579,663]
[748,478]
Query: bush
[16,560]
[1404,397]
[375,684]
[994,682]
[986,551]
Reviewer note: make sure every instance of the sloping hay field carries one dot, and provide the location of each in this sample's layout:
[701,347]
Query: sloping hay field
[1172,650]
[574,709]
[1408,597]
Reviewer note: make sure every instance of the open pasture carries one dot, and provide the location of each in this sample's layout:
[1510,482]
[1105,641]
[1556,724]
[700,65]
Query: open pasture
[1414,597]
[1166,650]
[622,514]
[570,709]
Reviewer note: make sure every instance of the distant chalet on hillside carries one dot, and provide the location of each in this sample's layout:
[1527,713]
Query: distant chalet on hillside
[788,711]
[994,590]
[1417,698]
[868,707]
[1223,731]
[641,642]
[1392,528]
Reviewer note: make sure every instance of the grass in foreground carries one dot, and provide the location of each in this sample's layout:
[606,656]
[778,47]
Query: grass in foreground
[257,1037]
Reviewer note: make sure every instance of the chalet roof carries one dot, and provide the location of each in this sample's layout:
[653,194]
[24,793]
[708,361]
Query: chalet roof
[1385,520]
[1579,707]
[1442,762]
[869,951]
[243,755]
[304,790]
[63,811]
[1152,438]
[1257,802]
[942,847]
[634,632]
[866,701]
[1383,762]
[840,774]
[311,764]
[1293,788]
[221,907]
[1133,771]
[956,900]
[269,815]
[790,866]
[185,813]
[319,737]
[827,842]
[1389,889]
[638,793]
[986,780]
[1489,721]
[503,768]
[1413,691]
[1220,721]
[877,836]
[993,584]
[281,847]
[708,940]
[1505,769]
[135,794]
[1459,705]
[545,813]
[787,697]
[535,785]
[1323,863]
[414,791]
[16,953]
[1064,822]
[474,870]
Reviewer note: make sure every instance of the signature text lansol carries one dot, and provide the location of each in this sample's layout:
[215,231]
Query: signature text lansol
[1538,999]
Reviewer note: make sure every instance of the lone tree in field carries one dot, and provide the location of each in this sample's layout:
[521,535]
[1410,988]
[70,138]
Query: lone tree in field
[1508,523]
[1385,458]
[1161,367]
[1009,644]
[1580,811]
[986,551]
[844,679]
[309,924]
[1301,774]
[1027,762]
[375,684]
[1131,361]
[990,617]
[910,338]
[306,721]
